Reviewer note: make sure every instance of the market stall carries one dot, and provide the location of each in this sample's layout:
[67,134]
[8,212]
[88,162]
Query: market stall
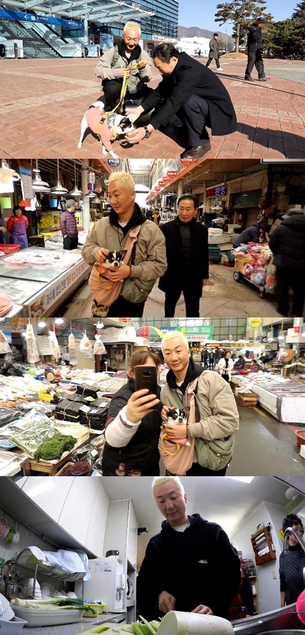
[45,425]
[55,392]
[37,281]
[253,262]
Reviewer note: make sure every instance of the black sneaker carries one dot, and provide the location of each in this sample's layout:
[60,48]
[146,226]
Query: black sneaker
[262,79]
[249,79]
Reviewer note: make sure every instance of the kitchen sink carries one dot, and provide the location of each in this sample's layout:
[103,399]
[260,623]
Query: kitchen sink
[283,621]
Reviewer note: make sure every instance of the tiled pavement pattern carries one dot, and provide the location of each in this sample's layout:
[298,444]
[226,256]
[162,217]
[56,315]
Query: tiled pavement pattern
[42,103]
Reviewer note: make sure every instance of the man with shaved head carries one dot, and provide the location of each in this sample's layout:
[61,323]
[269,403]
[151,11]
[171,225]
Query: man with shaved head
[183,564]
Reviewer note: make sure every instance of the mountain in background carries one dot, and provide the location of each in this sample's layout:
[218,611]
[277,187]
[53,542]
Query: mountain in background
[194,31]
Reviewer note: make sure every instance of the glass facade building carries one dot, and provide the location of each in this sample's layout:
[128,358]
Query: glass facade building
[164,22]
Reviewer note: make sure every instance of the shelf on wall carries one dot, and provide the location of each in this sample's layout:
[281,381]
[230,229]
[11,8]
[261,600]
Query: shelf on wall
[261,541]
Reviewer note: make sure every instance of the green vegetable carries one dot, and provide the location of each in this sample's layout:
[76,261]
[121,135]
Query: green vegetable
[147,628]
[52,448]
[63,603]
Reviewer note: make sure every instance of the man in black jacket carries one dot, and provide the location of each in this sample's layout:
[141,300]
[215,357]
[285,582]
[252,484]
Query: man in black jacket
[187,258]
[255,45]
[214,52]
[190,97]
[182,566]
[287,243]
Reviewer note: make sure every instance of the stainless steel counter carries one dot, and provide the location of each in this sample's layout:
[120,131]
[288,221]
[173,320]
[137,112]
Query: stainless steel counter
[38,291]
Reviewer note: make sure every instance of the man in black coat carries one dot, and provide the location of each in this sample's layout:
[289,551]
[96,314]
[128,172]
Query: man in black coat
[190,97]
[287,243]
[187,258]
[255,45]
[214,52]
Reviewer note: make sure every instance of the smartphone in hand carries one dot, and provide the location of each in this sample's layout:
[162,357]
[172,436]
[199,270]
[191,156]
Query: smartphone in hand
[146,377]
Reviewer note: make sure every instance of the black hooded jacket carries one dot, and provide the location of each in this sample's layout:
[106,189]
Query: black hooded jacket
[135,53]
[138,218]
[197,566]
[192,372]
[141,453]
[287,242]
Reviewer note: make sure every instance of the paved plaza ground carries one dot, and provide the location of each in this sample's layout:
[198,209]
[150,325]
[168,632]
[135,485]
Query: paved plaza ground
[43,101]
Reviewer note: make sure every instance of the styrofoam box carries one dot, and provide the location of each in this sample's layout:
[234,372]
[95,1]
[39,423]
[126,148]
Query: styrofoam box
[12,627]
[48,617]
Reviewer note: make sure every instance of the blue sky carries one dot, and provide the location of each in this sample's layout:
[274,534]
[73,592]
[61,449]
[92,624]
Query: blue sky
[201,13]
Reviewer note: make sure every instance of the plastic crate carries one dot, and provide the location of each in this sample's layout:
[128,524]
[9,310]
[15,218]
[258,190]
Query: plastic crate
[9,249]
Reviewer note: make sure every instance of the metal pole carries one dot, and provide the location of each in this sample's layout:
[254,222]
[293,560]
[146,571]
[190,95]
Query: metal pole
[86,201]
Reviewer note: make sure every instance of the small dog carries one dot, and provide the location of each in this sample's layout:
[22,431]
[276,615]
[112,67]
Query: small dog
[113,126]
[114,259]
[177,416]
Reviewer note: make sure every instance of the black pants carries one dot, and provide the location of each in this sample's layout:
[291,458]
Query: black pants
[293,278]
[112,90]
[255,58]
[187,127]
[70,243]
[211,59]
[124,308]
[198,470]
[191,299]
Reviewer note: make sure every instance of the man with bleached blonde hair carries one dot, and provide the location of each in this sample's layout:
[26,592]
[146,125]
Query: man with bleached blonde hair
[148,256]
[125,57]
[216,414]
[182,566]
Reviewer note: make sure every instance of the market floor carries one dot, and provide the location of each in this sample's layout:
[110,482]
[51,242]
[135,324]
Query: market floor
[264,446]
[221,298]
[43,101]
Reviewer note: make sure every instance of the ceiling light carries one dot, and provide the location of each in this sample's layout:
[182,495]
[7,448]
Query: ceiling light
[291,494]
[41,325]
[59,320]
[59,189]
[243,479]
[281,337]
[99,325]
[75,191]
[38,184]
[270,339]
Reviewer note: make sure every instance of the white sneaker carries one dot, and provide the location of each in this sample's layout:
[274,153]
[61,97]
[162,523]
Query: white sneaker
[219,68]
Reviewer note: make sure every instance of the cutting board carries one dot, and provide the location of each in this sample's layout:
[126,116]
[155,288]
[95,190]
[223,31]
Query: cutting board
[107,628]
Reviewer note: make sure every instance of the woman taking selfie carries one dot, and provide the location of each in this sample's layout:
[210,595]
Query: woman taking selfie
[133,426]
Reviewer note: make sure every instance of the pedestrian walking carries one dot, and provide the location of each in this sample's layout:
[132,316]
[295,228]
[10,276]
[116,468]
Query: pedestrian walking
[254,46]
[214,52]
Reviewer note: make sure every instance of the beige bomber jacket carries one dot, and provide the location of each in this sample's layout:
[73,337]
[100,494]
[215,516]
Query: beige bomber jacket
[216,403]
[150,252]
[105,70]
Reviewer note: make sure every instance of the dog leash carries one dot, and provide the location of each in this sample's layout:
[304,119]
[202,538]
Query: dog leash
[139,65]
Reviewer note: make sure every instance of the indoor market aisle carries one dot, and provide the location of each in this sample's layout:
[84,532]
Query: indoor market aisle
[264,446]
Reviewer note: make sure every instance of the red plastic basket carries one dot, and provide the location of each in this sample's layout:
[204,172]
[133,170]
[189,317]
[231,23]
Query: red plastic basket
[9,249]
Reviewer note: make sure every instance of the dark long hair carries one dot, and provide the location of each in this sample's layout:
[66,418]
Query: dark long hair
[140,357]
